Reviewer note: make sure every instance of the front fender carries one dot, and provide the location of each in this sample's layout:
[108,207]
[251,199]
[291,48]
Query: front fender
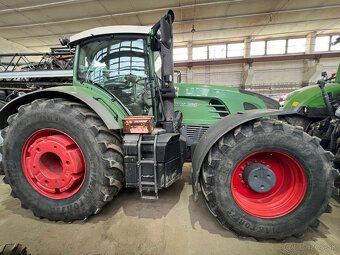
[72,94]
[216,131]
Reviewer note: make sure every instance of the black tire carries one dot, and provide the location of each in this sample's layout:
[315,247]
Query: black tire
[13,249]
[298,121]
[101,149]
[2,104]
[233,147]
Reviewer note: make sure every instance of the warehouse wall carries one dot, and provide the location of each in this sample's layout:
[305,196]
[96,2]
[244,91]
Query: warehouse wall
[330,65]
[268,77]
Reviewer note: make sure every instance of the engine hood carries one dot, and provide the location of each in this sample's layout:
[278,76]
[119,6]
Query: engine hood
[311,96]
[205,104]
[225,93]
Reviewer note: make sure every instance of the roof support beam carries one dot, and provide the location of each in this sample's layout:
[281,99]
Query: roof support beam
[257,59]
[113,15]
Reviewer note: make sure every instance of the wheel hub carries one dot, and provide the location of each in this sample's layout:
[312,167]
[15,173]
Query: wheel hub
[53,164]
[259,177]
[281,193]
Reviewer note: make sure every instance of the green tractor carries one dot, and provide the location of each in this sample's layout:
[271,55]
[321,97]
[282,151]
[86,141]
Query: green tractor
[204,105]
[317,110]
[68,150]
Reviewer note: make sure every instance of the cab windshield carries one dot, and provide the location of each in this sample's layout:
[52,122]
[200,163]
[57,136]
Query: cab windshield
[120,65]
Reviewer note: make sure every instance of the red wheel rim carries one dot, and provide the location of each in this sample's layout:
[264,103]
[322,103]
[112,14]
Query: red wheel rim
[285,196]
[53,164]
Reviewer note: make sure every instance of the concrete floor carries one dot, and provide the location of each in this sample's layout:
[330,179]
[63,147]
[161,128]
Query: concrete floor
[174,224]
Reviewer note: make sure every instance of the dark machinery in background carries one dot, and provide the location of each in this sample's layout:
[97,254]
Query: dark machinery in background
[25,67]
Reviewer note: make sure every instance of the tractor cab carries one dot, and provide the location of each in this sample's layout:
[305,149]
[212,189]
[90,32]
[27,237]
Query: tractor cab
[117,59]
[125,61]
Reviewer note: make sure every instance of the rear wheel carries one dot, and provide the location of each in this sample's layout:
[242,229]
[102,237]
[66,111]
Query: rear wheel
[60,159]
[268,180]
[13,249]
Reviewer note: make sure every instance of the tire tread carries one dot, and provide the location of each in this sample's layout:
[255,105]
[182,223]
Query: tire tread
[111,154]
[230,140]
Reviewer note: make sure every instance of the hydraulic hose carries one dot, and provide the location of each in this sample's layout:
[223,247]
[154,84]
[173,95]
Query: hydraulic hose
[325,97]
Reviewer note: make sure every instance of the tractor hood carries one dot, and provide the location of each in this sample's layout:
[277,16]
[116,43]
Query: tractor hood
[310,97]
[205,104]
[226,93]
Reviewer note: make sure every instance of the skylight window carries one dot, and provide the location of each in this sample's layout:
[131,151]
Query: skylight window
[217,51]
[257,48]
[322,43]
[296,45]
[276,47]
[200,53]
[180,54]
[235,50]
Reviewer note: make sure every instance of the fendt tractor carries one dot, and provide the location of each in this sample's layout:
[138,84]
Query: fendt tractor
[317,109]
[68,150]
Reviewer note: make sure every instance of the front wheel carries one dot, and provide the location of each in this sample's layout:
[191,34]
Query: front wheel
[268,180]
[60,159]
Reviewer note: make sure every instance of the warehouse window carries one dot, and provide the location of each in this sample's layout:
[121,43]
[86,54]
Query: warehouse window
[257,48]
[296,45]
[199,53]
[276,47]
[235,50]
[217,51]
[322,43]
[180,54]
[336,46]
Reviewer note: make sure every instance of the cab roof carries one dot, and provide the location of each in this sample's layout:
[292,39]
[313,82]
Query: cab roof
[109,30]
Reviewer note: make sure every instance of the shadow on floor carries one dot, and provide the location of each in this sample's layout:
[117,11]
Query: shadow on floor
[128,199]
[200,215]
[131,203]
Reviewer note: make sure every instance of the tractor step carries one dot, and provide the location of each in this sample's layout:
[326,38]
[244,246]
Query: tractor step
[147,142]
[147,176]
[147,181]
[149,197]
[147,161]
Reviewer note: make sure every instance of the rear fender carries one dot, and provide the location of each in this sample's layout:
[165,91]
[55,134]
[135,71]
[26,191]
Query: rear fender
[12,107]
[219,129]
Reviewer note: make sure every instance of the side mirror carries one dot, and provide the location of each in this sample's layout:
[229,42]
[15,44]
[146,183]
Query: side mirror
[324,75]
[165,36]
[166,29]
